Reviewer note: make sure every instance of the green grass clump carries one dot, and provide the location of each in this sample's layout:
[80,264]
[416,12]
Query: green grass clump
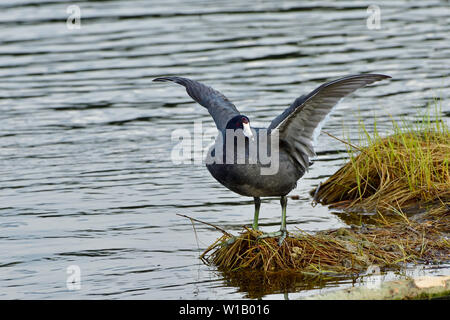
[408,169]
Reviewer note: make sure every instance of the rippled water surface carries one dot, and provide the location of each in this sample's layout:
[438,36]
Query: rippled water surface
[85,136]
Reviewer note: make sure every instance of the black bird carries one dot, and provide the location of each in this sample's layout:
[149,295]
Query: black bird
[293,132]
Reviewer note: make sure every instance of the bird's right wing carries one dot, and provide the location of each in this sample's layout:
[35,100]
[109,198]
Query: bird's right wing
[219,107]
[297,124]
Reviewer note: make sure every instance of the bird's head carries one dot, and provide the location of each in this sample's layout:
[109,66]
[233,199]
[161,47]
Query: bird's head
[241,122]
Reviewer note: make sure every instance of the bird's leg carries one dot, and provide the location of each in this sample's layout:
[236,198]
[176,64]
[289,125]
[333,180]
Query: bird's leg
[255,220]
[256,215]
[283,231]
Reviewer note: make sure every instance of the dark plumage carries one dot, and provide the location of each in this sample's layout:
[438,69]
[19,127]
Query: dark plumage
[295,129]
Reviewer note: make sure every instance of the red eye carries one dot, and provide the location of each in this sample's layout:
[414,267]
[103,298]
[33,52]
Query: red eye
[244,120]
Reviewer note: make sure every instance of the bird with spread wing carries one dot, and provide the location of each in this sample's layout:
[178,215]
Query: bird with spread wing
[295,130]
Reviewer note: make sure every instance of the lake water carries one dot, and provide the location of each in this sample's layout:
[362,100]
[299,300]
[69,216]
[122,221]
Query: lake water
[85,136]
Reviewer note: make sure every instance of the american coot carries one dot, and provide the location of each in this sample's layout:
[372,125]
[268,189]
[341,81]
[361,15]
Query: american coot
[294,130]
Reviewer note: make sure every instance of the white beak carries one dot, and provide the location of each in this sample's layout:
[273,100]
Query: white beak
[248,131]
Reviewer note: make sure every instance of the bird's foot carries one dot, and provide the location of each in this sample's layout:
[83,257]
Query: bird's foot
[231,240]
[281,234]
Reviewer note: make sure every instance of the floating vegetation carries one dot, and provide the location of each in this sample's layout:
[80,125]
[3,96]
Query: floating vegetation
[389,178]
[332,252]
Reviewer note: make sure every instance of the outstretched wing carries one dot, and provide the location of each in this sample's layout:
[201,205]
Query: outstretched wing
[298,124]
[219,107]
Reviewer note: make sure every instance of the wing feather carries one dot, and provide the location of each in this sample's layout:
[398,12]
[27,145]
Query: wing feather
[299,123]
[218,106]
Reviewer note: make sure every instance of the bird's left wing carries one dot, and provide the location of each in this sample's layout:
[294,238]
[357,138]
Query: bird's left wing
[298,124]
[219,107]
